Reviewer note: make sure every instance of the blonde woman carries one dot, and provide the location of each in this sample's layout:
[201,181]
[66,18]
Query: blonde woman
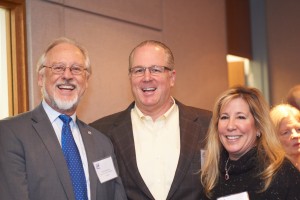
[286,119]
[243,157]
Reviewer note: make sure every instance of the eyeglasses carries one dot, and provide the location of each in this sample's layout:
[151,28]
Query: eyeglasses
[154,70]
[60,68]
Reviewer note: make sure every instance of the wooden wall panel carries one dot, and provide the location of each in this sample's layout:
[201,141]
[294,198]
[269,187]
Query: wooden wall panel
[238,28]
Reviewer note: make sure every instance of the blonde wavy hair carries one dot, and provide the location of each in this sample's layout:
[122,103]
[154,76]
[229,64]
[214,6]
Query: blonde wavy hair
[281,111]
[270,154]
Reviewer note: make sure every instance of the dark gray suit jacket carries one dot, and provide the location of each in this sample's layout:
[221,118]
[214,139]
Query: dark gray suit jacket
[186,184]
[32,165]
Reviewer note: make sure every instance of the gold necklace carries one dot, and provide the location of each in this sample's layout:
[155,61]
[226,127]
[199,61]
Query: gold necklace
[227,170]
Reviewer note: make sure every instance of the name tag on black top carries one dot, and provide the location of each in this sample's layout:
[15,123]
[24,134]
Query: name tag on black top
[238,196]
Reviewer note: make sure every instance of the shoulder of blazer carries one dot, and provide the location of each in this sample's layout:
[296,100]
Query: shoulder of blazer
[193,113]
[106,123]
[35,115]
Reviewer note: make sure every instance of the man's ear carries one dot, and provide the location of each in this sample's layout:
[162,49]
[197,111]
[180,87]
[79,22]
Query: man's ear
[172,77]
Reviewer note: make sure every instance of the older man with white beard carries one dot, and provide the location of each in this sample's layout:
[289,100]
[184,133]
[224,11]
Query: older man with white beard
[48,153]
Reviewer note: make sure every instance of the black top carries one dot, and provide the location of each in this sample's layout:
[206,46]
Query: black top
[243,176]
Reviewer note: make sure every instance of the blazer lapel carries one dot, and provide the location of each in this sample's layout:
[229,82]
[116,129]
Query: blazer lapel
[189,134]
[87,138]
[123,138]
[44,129]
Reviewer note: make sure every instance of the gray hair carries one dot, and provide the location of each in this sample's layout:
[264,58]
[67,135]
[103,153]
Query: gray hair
[61,40]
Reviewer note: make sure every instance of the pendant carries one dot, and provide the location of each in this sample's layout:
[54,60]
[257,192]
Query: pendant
[227,170]
[226,176]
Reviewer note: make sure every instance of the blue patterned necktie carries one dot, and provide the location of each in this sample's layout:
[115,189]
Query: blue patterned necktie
[73,159]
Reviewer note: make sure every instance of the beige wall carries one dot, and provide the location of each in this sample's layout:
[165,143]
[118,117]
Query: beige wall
[283,27]
[194,30]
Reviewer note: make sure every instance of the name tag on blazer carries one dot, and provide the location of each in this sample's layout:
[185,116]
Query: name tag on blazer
[238,196]
[105,169]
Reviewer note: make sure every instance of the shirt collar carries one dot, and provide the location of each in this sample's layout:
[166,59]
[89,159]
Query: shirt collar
[165,115]
[53,114]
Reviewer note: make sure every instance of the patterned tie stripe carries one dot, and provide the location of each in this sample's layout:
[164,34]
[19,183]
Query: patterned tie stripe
[73,159]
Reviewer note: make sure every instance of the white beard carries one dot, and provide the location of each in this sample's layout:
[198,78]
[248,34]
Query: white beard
[61,104]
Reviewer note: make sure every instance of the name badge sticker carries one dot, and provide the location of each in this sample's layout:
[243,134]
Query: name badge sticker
[105,169]
[238,196]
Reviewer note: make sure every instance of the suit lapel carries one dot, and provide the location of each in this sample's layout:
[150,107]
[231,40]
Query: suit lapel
[123,139]
[44,129]
[189,134]
[90,151]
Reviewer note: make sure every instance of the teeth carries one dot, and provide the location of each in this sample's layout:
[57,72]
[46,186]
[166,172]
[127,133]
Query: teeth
[66,87]
[233,137]
[148,89]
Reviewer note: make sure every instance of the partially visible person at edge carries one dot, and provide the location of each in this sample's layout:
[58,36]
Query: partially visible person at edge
[286,119]
[48,153]
[157,138]
[293,97]
[243,157]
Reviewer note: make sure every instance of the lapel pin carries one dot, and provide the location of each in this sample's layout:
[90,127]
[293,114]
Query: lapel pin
[89,132]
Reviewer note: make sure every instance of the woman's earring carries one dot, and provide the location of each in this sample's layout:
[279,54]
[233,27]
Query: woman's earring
[258,134]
